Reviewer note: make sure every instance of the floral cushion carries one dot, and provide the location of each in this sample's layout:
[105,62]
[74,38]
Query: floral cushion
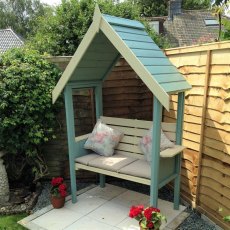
[146,144]
[103,139]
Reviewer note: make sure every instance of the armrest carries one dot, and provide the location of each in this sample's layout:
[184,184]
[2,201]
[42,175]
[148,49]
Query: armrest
[171,152]
[82,137]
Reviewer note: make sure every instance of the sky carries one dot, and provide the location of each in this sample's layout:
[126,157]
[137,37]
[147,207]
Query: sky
[51,2]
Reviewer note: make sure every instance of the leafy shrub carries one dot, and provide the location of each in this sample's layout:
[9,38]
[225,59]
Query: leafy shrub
[27,116]
[61,32]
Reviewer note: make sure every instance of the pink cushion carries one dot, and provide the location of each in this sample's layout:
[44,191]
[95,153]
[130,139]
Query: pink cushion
[103,139]
[146,144]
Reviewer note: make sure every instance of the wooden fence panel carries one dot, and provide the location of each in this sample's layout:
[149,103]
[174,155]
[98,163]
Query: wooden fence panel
[206,124]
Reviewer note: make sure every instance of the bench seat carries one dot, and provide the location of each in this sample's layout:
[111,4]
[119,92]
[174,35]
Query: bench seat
[113,163]
[128,161]
[122,164]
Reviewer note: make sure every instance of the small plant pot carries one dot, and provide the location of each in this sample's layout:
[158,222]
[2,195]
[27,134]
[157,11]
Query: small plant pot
[57,202]
[142,228]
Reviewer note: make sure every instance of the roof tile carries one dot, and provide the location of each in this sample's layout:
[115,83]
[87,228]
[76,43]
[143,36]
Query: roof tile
[8,40]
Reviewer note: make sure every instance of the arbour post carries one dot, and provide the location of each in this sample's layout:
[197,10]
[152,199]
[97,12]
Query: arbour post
[99,112]
[156,135]
[71,139]
[179,132]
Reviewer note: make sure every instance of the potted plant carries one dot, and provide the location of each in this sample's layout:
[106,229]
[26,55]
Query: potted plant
[149,218]
[58,192]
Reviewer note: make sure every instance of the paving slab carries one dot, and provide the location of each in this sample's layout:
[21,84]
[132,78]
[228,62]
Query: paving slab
[100,209]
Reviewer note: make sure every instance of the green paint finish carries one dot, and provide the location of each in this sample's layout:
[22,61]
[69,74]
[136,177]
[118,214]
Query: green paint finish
[111,66]
[148,53]
[101,55]
[175,86]
[123,22]
[180,116]
[140,45]
[99,112]
[95,63]
[179,131]
[167,180]
[71,139]
[156,134]
[166,169]
[83,84]
[154,61]
[164,78]
[98,101]
[135,37]
[129,30]
[161,69]
[89,74]
[82,151]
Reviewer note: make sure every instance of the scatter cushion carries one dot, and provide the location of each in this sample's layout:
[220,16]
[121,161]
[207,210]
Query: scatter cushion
[103,139]
[113,163]
[146,144]
[139,168]
[87,158]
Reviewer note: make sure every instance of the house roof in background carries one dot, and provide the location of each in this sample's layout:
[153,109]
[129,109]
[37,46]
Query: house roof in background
[109,37]
[9,39]
[189,28]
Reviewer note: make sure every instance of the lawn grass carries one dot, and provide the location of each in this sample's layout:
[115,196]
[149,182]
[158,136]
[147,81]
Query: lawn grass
[10,222]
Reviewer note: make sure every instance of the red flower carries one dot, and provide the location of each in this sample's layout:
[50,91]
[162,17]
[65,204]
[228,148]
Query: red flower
[135,211]
[148,214]
[63,193]
[62,187]
[156,210]
[150,225]
[57,181]
[149,218]
[58,188]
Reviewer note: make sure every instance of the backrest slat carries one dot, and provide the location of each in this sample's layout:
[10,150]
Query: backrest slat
[133,131]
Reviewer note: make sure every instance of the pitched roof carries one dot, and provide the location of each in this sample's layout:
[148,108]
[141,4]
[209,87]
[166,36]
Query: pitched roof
[109,37]
[8,39]
[189,28]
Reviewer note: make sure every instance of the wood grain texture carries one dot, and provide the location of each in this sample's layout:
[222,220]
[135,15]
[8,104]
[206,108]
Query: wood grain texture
[213,124]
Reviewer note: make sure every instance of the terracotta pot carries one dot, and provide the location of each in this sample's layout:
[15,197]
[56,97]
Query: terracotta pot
[57,202]
[141,228]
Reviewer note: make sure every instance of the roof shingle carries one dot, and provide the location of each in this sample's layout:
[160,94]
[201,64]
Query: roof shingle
[8,40]
[188,28]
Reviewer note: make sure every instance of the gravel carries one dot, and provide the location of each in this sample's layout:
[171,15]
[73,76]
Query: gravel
[193,222]
[44,198]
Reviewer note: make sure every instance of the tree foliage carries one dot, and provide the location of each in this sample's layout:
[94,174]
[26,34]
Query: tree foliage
[152,8]
[21,15]
[225,35]
[195,4]
[219,8]
[27,118]
[61,33]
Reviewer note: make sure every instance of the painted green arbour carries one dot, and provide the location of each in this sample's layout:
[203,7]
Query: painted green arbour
[107,39]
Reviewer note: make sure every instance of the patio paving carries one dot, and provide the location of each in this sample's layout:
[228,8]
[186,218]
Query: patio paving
[100,209]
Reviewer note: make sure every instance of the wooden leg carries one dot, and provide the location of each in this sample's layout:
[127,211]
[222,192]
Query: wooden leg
[73,182]
[102,180]
[156,134]
[177,182]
